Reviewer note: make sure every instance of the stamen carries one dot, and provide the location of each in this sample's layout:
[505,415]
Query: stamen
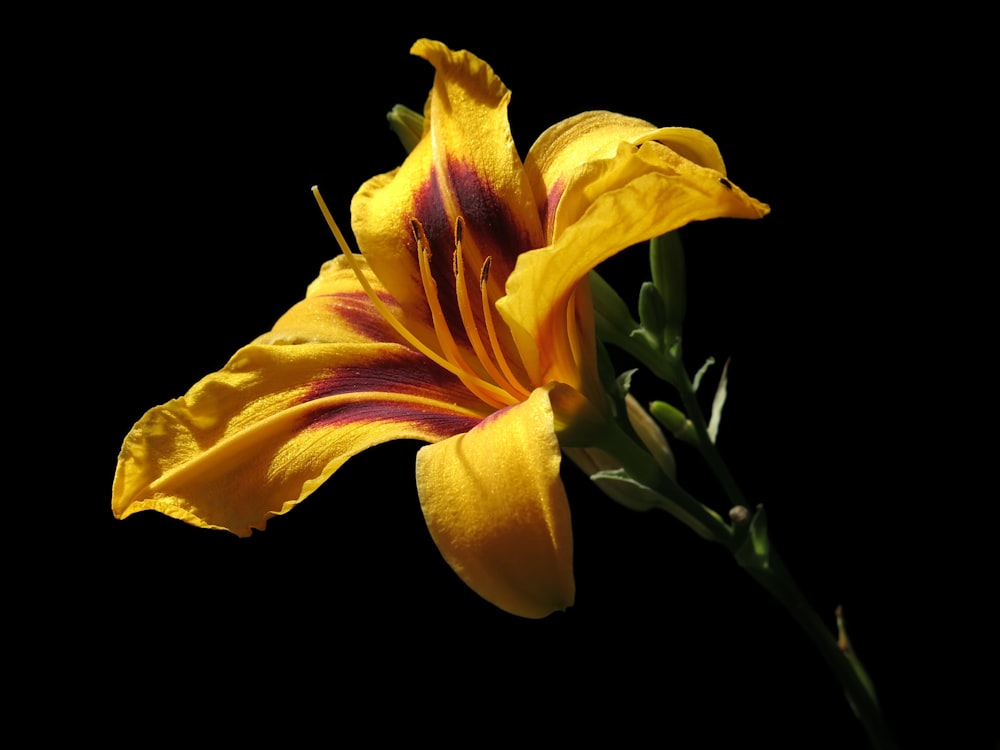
[488,392]
[441,328]
[445,338]
[469,320]
[514,384]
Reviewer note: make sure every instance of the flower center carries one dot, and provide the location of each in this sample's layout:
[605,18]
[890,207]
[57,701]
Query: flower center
[494,366]
[494,382]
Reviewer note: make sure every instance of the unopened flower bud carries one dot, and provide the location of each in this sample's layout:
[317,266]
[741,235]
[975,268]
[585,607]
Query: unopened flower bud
[666,260]
[652,311]
[651,436]
[674,420]
[407,125]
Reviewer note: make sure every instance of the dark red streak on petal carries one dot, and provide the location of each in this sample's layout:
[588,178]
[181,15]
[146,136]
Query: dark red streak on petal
[357,311]
[441,423]
[493,225]
[401,371]
[440,231]
[548,211]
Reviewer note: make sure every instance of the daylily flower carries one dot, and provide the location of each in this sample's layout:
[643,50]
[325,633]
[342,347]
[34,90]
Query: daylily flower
[465,322]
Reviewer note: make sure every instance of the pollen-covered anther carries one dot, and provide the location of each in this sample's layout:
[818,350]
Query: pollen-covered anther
[441,327]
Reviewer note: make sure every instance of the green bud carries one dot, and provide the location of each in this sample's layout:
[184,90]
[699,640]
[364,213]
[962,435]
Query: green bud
[666,262]
[652,311]
[651,436]
[611,311]
[674,420]
[407,125]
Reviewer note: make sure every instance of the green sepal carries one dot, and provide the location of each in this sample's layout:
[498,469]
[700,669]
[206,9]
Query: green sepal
[755,551]
[758,535]
[624,382]
[606,373]
[701,373]
[718,402]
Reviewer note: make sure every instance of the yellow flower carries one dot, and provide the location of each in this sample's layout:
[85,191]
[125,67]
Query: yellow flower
[475,335]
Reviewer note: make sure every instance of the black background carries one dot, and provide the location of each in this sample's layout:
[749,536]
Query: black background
[180,196]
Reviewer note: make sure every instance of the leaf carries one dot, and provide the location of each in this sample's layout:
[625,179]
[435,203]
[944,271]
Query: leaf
[718,402]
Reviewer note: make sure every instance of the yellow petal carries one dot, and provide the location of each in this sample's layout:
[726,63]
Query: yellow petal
[465,165]
[640,193]
[497,510]
[256,438]
[556,158]
[336,310]
[695,192]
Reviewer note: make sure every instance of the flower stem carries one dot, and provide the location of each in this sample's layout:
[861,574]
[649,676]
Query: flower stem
[760,559]
[776,579]
[747,540]
[656,343]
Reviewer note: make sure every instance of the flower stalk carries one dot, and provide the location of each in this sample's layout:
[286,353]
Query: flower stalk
[655,341]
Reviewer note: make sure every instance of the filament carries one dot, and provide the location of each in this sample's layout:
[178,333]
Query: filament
[491,331]
[505,379]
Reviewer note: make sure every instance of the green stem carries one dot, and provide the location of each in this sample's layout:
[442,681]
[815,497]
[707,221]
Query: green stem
[769,571]
[766,567]
[747,537]
[776,579]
